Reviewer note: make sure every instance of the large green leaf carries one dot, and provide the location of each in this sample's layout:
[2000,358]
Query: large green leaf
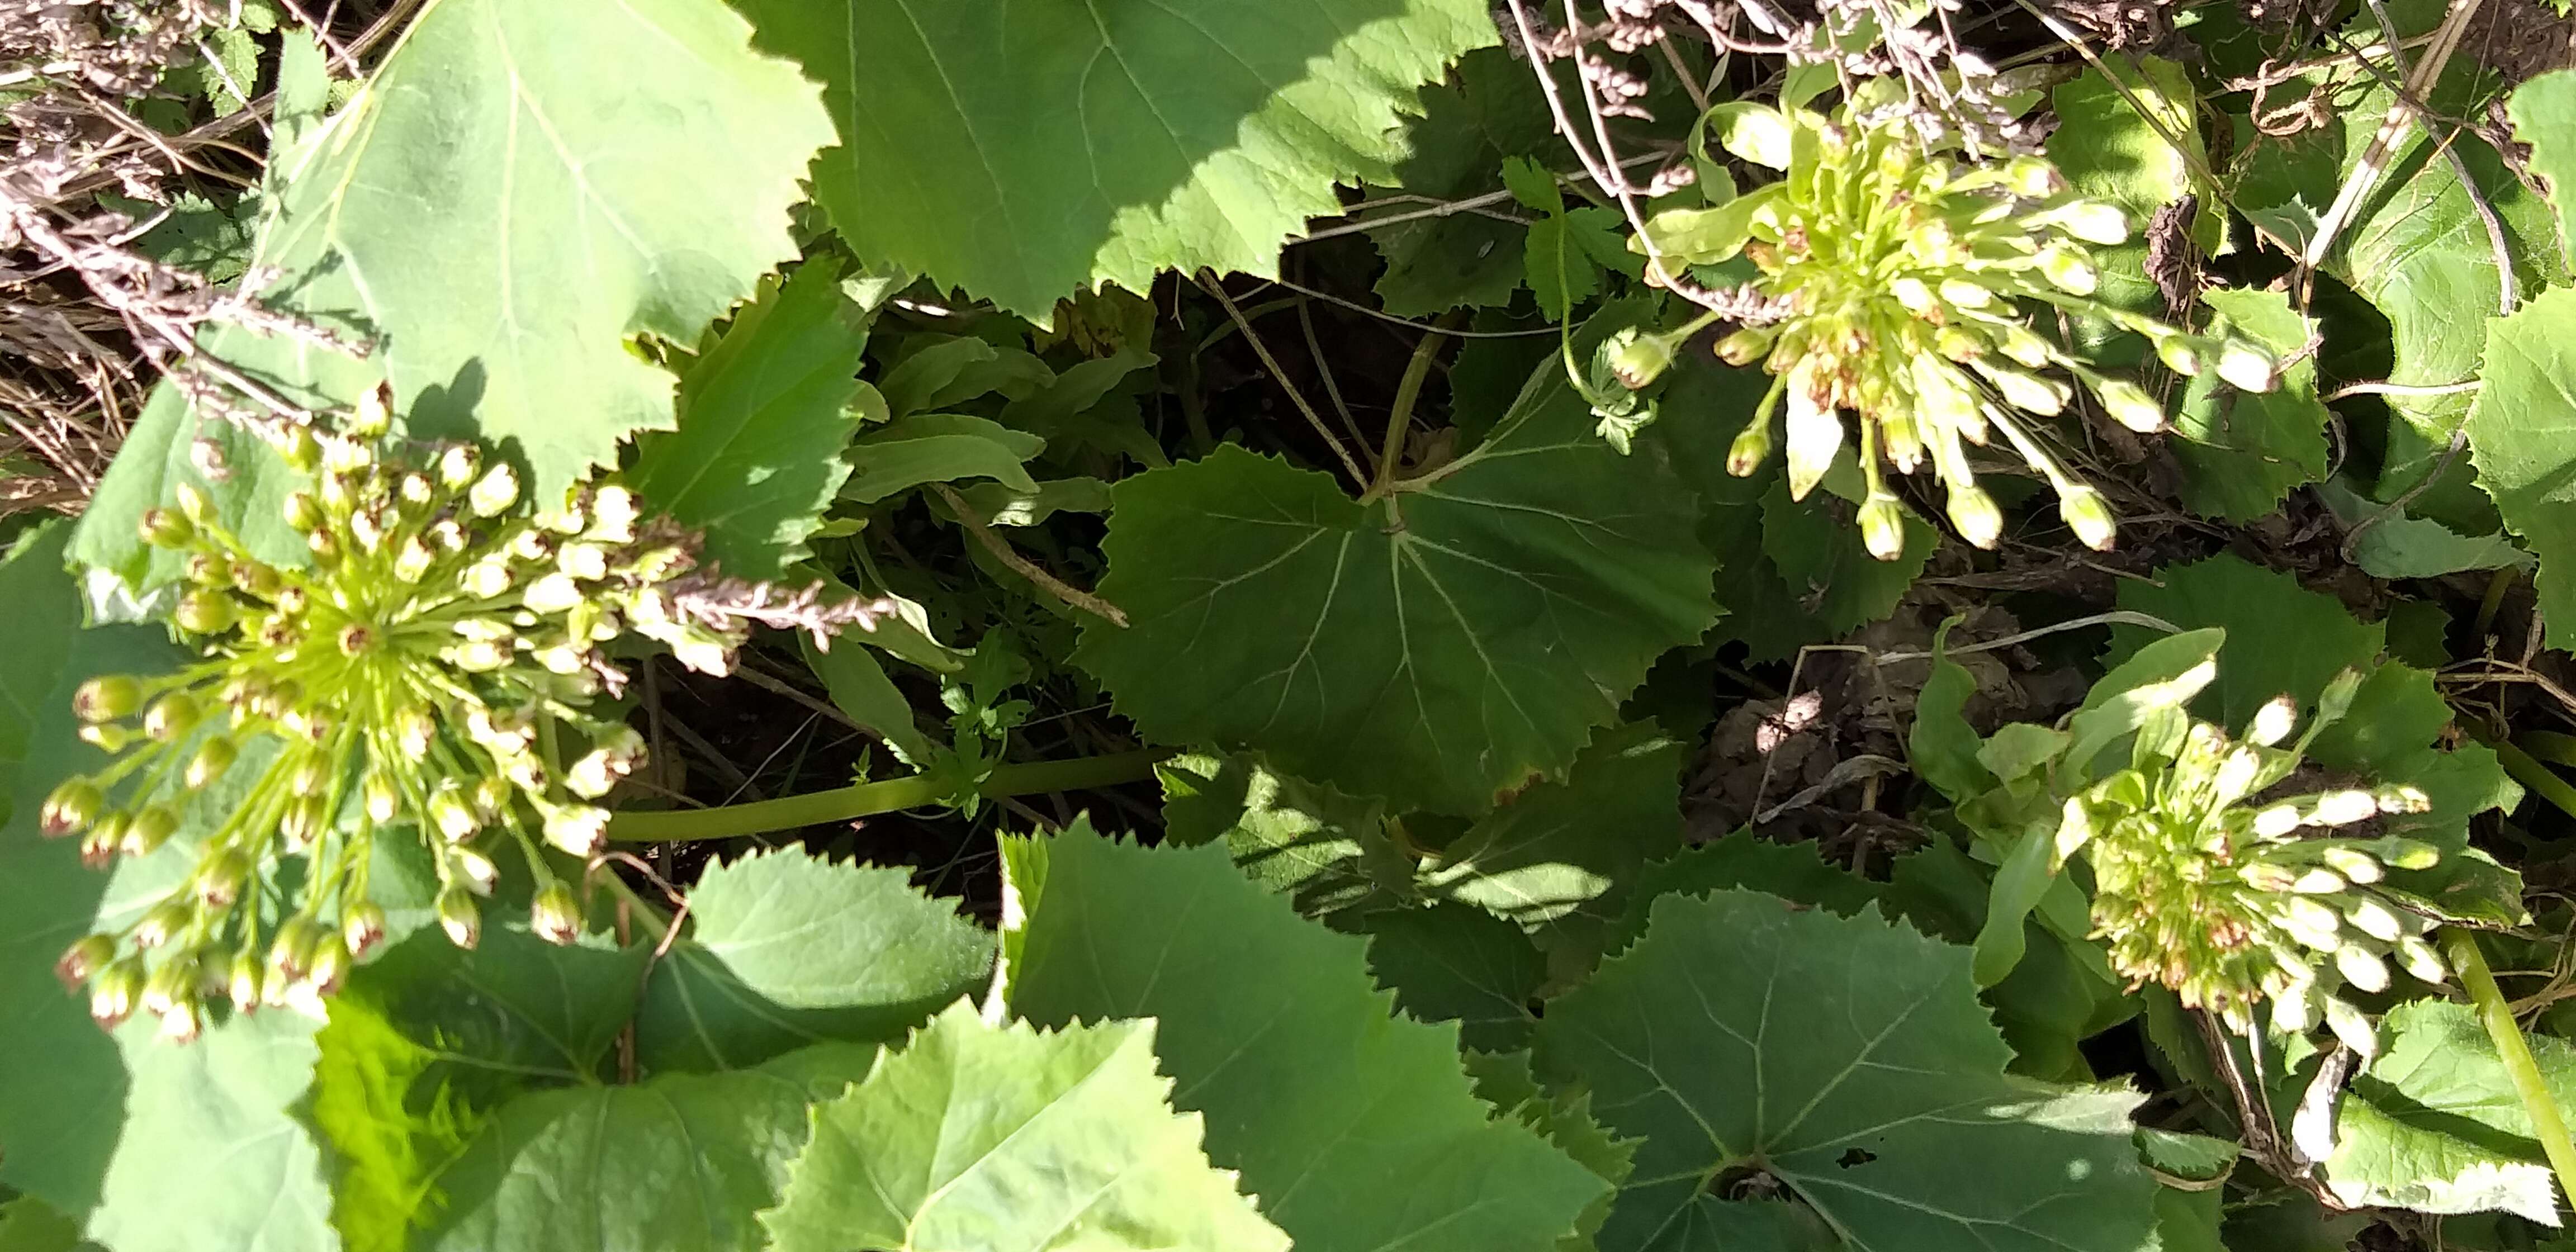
[785,948]
[1024,152]
[2242,451]
[1442,644]
[1488,110]
[36,637]
[1848,1061]
[682,1162]
[1356,1127]
[207,1134]
[2518,435]
[977,1136]
[2108,149]
[2433,1123]
[763,418]
[1575,846]
[2417,248]
[1453,963]
[2544,116]
[2281,638]
[1327,851]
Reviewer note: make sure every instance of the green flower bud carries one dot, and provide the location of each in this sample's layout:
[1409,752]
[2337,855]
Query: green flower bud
[163,528]
[1882,527]
[2408,854]
[301,452]
[213,757]
[2273,721]
[2374,919]
[171,717]
[1638,358]
[2318,882]
[2352,863]
[83,959]
[180,1023]
[2246,365]
[107,698]
[109,739]
[553,593]
[494,494]
[1750,449]
[375,412]
[2181,354]
[2068,270]
[330,966]
[477,871]
[458,916]
[2093,221]
[71,807]
[1975,515]
[203,612]
[219,879]
[2361,968]
[2266,876]
[303,513]
[2130,405]
[242,981]
[555,915]
[290,951]
[2089,516]
[112,995]
[163,920]
[362,929]
[457,466]
[2421,962]
[579,829]
[2403,799]
[150,828]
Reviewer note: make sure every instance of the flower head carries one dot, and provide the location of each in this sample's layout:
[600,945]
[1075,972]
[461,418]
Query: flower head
[2231,900]
[428,675]
[1906,277]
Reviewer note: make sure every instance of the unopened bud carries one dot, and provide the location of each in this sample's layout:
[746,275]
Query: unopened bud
[2181,354]
[1975,515]
[1637,359]
[83,959]
[2352,863]
[375,412]
[166,528]
[553,593]
[2318,882]
[2403,799]
[330,965]
[203,612]
[1882,527]
[219,880]
[2068,270]
[495,493]
[382,801]
[2408,854]
[555,915]
[2247,366]
[171,717]
[2273,721]
[303,513]
[457,467]
[2361,967]
[453,817]
[213,757]
[2130,405]
[242,981]
[2266,876]
[70,807]
[2094,221]
[2089,516]
[477,871]
[112,996]
[1749,451]
[290,951]
[161,921]
[2421,962]
[362,929]
[579,829]
[458,916]
[2343,808]
[107,698]
[150,829]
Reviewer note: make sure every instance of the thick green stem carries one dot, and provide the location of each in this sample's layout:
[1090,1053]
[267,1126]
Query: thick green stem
[2543,781]
[2497,1016]
[817,807]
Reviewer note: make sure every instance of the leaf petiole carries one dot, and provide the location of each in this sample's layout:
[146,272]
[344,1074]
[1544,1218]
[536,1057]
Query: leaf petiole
[2496,1014]
[893,795]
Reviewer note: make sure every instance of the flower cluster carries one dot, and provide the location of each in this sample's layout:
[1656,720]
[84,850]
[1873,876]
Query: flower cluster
[1907,278]
[2229,899]
[429,671]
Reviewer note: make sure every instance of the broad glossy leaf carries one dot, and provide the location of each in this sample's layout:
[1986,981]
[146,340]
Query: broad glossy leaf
[1849,1061]
[1746,861]
[2433,1124]
[2242,451]
[2518,436]
[1325,850]
[1355,1126]
[682,1162]
[785,948]
[976,1136]
[763,418]
[2544,116]
[1575,846]
[1021,153]
[1442,645]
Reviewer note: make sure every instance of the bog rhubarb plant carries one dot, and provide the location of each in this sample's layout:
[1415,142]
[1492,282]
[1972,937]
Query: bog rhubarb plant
[1899,282]
[429,673]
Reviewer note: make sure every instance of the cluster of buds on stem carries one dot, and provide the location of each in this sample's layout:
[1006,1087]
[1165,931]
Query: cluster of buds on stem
[428,672]
[1908,279]
[2231,899]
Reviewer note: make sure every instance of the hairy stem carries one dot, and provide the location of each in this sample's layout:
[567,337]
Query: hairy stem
[814,808]
[2497,1016]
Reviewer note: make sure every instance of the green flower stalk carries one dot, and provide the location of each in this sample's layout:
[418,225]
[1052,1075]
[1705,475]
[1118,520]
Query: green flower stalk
[2230,899]
[1906,281]
[429,675]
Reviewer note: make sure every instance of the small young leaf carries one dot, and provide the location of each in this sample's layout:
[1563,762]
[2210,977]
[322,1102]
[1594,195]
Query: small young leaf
[939,448]
[860,688]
